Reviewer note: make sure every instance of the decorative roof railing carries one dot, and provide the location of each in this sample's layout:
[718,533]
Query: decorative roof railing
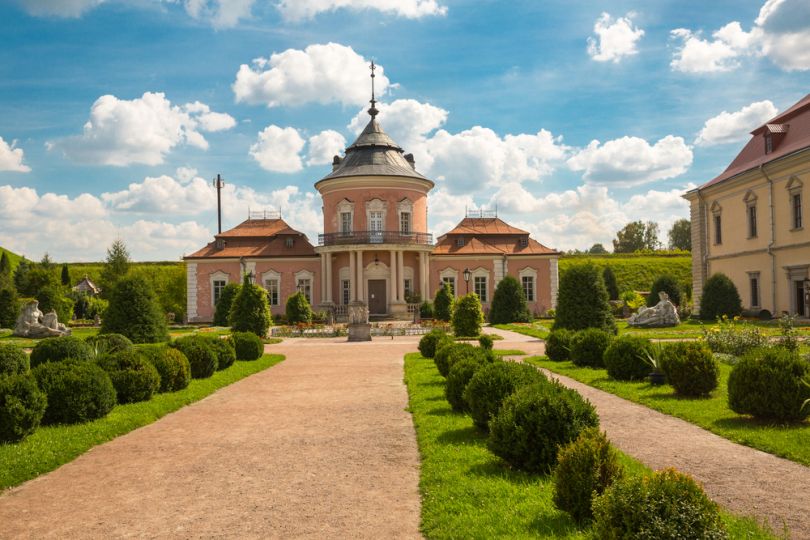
[374,237]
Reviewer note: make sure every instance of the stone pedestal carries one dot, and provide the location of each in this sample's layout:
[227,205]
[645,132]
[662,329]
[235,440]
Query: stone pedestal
[398,309]
[359,332]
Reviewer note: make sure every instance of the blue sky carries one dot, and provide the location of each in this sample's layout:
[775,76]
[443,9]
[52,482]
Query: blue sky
[572,117]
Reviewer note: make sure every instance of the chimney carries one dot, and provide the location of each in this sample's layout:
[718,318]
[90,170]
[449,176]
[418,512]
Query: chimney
[336,161]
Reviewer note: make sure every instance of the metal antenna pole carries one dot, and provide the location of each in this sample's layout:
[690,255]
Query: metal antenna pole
[219,183]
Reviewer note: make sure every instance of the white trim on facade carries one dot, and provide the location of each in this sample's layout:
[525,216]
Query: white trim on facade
[191,291]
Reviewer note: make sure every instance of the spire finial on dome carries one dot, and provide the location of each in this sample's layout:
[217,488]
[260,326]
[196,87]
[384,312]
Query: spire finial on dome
[373,110]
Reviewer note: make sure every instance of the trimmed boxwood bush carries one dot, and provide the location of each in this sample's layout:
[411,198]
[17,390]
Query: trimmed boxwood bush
[588,347]
[508,303]
[585,468]
[247,345]
[468,316]
[77,391]
[458,351]
[171,365]
[109,343]
[493,383]
[250,311]
[298,309]
[13,360]
[134,378]
[226,355]
[431,341]
[22,406]
[443,303]
[668,505]
[720,297]
[558,344]
[442,356]
[690,368]
[56,349]
[625,358]
[201,357]
[535,421]
[611,285]
[486,341]
[767,384]
[669,285]
[582,301]
[223,307]
[458,377]
[135,312]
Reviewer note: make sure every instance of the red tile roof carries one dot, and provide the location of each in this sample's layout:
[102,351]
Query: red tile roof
[793,128]
[488,236]
[257,238]
[494,225]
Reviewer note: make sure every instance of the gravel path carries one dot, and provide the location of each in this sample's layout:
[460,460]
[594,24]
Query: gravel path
[319,446]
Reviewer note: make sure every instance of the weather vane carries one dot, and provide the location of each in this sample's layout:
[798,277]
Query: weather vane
[373,110]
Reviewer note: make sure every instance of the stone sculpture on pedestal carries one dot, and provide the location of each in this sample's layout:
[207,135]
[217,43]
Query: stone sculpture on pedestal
[359,327]
[662,314]
[33,324]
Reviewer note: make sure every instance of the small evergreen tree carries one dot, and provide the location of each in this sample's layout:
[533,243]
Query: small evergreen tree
[21,276]
[9,307]
[720,297]
[50,298]
[115,267]
[298,309]
[443,303]
[65,275]
[669,285]
[582,301]
[610,283]
[223,307]
[250,311]
[468,316]
[508,303]
[135,312]
[5,270]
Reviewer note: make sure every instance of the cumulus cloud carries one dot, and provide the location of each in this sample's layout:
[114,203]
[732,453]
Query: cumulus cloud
[698,55]
[581,217]
[728,127]
[631,161]
[11,157]
[278,149]
[296,10]
[324,146]
[59,8]
[330,73]
[785,28]
[142,130]
[219,13]
[615,38]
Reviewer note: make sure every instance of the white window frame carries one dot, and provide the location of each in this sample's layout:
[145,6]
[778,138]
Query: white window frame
[405,211]
[481,272]
[376,206]
[530,273]
[450,275]
[215,277]
[717,223]
[345,291]
[756,302]
[308,279]
[345,207]
[268,276]
[750,201]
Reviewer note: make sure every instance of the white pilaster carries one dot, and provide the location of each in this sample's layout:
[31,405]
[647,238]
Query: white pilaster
[400,277]
[322,276]
[392,285]
[353,276]
[555,281]
[329,297]
[191,291]
[361,293]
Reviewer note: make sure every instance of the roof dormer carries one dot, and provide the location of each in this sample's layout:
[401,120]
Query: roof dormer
[773,135]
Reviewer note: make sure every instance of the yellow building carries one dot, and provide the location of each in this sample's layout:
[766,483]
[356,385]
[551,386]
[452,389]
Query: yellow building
[749,222]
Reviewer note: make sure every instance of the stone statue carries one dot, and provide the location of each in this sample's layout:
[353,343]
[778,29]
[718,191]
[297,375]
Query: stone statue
[662,314]
[359,328]
[358,313]
[33,324]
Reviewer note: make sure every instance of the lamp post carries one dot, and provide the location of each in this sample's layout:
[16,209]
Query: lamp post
[467,274]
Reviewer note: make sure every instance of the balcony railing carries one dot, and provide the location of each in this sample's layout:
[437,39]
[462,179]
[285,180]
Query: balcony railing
[374,237]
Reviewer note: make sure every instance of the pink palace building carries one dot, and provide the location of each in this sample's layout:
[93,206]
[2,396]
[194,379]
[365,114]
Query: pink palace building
[375,245]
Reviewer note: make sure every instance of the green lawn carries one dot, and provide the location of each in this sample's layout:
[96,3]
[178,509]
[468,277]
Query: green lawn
[81,332]
[52,446]
[790,441]
[539,328]
[467,492]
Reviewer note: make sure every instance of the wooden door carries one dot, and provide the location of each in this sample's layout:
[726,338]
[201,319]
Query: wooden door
[377,303]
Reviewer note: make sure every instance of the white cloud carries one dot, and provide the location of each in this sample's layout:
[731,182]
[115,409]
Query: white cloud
[614,39]
[581,217]
[731,127]
[185,174]
[407,121]
[219,13]
[786,33]
[446,205]
[324,146]
[278,149]
[698,55]
[142,130]
[631,161]
[330,73]
[163,195]
[59,8]
[296,10]
[11,157]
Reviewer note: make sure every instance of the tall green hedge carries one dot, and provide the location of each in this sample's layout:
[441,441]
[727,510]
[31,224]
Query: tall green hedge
[298,309]
[468,316]
[250,311]
[667,284]
[443,303]
[582,301]
[223,307]
[135,312]
[720,297]
[508,303]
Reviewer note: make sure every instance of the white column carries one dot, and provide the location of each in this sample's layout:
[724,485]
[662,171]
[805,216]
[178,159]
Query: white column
[329,297]
[361,293]
[392,286]
[424,258]
[322,276]
[400,275]
[353,276]
[191,291]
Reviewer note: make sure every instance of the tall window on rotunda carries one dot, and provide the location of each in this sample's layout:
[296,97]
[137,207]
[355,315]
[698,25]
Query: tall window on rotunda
[346,223]
[405,223]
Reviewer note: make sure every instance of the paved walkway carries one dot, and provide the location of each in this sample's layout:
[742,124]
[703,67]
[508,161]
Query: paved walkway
[319,446]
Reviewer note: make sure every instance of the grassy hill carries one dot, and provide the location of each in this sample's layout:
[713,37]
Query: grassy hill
[637,272]
[12,257]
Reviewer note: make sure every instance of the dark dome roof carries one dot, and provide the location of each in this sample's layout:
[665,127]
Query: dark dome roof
[374,153]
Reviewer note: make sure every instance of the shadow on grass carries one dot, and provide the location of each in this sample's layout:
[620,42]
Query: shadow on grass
[463,435]
[748,422]
[441,411]
[673,396]
[495,467]
[553,525]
